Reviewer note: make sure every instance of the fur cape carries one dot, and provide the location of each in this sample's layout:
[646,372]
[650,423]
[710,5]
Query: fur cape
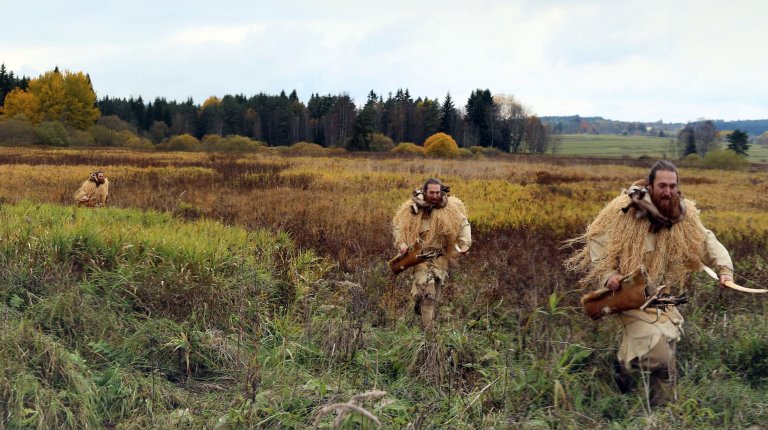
[678,248]
[444,225]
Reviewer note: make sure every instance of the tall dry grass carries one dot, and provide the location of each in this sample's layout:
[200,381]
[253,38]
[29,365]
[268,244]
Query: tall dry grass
[342,205]
[512,349]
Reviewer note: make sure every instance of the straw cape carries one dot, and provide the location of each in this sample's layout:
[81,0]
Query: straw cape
[95,194]
[624,239]
[444,224]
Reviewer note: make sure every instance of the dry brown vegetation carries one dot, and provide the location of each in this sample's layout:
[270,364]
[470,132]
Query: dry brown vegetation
[510,294]
[341,206]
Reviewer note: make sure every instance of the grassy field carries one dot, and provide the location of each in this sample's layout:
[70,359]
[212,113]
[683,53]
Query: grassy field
[611,145]
[251,292]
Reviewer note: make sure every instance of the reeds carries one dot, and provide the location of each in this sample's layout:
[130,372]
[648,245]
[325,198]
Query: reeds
[251,292]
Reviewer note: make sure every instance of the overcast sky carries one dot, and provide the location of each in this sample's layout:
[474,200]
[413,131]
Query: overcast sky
[643,60]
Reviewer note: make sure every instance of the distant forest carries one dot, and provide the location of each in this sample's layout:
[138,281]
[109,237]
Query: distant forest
[485,119]
[496,121]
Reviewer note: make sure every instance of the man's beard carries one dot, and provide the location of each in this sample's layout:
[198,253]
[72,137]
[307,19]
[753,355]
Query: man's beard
[670,207]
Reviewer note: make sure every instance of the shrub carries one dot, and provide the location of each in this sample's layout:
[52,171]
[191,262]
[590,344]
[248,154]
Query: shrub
[102,136]
[82,138]
[105,136]
[304,148]
[441,145]
[335,150]
[234,143]
[183,142]
[409,149]
[437,137]
[487,152]
[210,140]
[16,131]
[113,122]
[381,143]
[724,159]
[159,131]
[123,137]
[139,143]
[465,153]
[692,159]
[762,139]
[51,133]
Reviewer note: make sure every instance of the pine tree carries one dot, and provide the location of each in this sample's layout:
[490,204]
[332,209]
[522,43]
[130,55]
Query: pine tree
[480,111]
[363,129]
[739,142]
[5,84]
[688,136]
[447,115]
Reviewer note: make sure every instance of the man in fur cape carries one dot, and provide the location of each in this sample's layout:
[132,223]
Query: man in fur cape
[94,191]
[653,226]
[438,223]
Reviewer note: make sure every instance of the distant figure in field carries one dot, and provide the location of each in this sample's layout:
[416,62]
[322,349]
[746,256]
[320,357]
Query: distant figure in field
[645,241]
[429,229]
[94,191]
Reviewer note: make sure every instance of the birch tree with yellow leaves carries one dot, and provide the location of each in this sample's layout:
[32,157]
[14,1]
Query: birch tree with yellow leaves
[19,103]
[55,96]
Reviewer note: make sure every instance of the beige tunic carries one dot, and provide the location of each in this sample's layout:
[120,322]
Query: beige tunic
[644,329]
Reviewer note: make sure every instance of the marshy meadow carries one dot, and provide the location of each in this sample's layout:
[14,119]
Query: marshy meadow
[251,291]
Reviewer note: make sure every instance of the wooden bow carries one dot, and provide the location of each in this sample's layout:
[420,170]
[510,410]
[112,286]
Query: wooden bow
[733,285]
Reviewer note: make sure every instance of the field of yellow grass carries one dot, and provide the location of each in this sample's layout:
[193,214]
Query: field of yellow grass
[249,291]
[521,209]
[342,204]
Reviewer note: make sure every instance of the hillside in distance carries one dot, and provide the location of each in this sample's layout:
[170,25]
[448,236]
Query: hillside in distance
[595,124]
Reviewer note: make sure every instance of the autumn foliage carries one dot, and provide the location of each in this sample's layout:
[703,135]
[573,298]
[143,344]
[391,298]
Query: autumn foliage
[55,96]
[251,286]
[441,145]
[409,148]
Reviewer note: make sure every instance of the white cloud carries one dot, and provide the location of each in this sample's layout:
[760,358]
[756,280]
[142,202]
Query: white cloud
[631,60]
[215,33]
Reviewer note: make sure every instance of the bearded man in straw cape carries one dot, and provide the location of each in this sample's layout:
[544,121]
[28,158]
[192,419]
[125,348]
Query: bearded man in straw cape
[94,191]
[436,224]
[650,226]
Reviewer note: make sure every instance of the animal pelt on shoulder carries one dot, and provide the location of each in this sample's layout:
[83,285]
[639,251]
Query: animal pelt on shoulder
[445,221]
[643,207]
[621,229]
[419,203]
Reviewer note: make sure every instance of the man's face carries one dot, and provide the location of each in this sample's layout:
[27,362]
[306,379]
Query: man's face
[664,191]
[100,177]
[433,193]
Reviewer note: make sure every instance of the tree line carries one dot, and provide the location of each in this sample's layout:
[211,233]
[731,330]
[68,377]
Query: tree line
[702,137]
[9,81]
[495,121]
[498,121]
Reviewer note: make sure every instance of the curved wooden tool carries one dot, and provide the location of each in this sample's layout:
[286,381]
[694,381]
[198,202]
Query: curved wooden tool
[733,285]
